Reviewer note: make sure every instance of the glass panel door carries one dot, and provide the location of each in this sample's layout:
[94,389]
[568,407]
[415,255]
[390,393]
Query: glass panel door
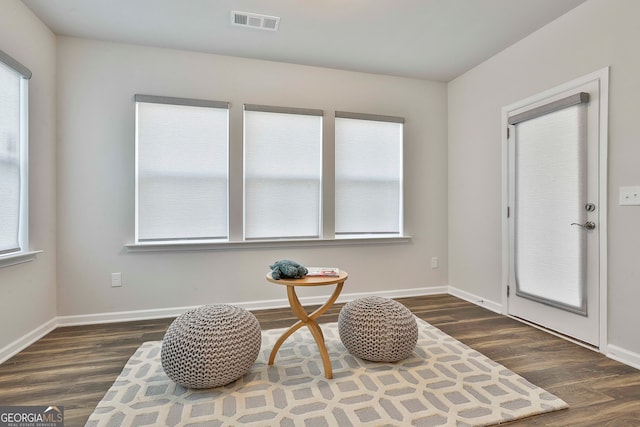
[556,209]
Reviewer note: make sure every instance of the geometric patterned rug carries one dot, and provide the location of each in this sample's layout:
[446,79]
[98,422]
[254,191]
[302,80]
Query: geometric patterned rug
[444,383]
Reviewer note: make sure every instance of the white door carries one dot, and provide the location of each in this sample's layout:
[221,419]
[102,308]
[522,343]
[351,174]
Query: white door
[554,212]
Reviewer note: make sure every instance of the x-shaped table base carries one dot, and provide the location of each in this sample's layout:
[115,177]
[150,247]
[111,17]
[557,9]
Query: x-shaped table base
[309,319]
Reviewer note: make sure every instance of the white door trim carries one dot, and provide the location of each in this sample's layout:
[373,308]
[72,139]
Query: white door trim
[602,76]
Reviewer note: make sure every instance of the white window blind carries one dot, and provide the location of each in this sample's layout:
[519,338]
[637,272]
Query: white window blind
[550,193]
[13,156]
[181,169]
[282,172]
[368,175]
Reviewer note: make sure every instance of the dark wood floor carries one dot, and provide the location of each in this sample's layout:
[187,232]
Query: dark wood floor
[74,366]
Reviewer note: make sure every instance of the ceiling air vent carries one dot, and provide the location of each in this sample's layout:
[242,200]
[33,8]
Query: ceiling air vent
[254,20]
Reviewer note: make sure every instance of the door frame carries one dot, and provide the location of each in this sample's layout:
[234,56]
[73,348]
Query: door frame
[602,77]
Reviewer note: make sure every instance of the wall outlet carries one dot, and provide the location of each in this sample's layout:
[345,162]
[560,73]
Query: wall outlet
[434,262]
[116,280]
[630,196]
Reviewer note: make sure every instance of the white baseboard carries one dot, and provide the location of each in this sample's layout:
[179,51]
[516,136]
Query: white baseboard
[614,352]
[127,316]
[120,316]
[25,341]
[397,293]
[482,302]
[610,350]
[624,356]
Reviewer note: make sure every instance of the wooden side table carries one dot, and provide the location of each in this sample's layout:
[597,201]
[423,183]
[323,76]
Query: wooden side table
[309,319]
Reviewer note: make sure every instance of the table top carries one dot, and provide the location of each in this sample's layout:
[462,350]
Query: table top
[310,280]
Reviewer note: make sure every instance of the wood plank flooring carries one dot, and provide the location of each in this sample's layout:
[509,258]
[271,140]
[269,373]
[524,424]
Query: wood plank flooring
[75,366]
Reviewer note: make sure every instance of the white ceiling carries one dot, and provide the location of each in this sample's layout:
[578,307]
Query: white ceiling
[430,39]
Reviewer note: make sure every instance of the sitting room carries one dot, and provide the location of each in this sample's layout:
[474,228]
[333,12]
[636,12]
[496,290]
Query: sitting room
[257,213]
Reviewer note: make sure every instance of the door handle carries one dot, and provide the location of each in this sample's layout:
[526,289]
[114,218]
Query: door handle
[589,225]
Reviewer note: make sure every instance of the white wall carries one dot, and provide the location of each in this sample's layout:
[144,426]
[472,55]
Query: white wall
[94,217]
[96,83]
[597,34]
[28,291]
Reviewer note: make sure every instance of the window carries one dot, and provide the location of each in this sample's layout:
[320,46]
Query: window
[182,169]
[368,174]
[282,172]
[550,155]
[550,186]
[14,214]
[194,190]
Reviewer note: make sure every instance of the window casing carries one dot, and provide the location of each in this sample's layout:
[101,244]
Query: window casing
[282,173]
[550,192]
[368,175]
[182,172]
[276,186]
[14,161]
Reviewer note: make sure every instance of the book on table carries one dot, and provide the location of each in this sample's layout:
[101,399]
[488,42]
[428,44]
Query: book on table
[323,271]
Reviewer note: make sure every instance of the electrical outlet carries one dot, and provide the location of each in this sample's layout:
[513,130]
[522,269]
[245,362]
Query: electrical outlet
[630,196]
[116,280]
[434,262]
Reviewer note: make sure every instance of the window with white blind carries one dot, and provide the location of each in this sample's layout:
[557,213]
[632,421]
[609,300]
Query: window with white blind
[368,175]
[14,215]
[282,172]
[182,173]
[187,195]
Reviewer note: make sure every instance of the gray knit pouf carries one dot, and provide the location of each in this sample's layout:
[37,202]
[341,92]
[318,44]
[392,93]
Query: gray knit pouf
[210,346]
[378,329]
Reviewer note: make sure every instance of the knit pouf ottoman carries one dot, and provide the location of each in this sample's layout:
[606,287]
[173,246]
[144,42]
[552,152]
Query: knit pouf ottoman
[378,329]
[210,346]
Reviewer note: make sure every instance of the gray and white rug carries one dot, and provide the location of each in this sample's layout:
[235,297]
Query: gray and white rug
[444,383]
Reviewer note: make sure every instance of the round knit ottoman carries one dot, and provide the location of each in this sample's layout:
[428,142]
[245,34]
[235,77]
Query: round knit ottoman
[210,346]
[378,329]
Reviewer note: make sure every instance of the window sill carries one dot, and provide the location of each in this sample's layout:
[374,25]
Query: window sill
[18,258]
[209,246]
